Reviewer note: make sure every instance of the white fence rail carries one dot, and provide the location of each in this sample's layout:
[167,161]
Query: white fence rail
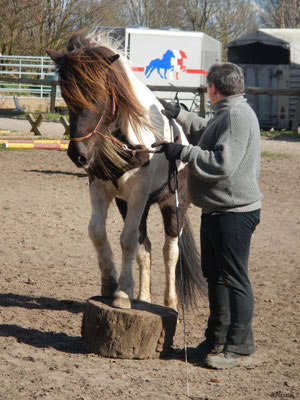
[32,67]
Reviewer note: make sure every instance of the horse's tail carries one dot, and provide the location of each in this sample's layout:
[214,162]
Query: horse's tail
[189,278]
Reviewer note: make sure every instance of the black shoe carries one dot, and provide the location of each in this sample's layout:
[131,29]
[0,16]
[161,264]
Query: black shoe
[226,360]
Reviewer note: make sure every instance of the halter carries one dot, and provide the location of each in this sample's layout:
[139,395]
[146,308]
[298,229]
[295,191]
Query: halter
[111,137]
[121,144]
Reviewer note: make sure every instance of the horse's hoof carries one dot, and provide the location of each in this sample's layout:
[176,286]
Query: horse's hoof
[171,304]
[121,303]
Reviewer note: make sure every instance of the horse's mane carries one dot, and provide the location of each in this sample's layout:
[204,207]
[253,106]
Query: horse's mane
[89,80]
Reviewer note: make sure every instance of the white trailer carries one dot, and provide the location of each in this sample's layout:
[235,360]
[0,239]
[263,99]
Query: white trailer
[163,58]
[167,57]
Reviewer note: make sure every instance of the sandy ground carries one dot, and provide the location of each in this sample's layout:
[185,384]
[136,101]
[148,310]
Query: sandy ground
[23,126]
[48,270]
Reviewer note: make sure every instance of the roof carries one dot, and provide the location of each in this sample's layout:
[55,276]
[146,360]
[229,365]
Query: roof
[271,37]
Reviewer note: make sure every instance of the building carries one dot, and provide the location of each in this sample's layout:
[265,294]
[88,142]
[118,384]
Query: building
[270,59]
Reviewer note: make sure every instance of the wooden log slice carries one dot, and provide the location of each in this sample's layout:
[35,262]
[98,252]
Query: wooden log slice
[144,331]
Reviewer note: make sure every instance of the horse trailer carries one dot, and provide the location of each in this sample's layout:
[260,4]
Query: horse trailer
[270,59]
[169,57]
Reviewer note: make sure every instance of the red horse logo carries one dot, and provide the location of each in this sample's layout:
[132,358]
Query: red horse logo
[180,65]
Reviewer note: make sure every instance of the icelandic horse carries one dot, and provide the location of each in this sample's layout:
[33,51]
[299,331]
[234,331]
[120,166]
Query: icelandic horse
[114,119]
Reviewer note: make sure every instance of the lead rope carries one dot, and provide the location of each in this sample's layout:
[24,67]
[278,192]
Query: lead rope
[174,171]
[181,279]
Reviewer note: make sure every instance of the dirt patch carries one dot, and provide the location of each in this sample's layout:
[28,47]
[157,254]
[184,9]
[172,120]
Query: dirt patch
[48,270]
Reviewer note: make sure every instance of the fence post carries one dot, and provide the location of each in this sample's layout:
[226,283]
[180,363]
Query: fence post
[296,120]
[52,97]
[202,105]
[42,76]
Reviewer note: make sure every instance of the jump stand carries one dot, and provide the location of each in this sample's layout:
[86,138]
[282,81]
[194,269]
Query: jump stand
[144,331]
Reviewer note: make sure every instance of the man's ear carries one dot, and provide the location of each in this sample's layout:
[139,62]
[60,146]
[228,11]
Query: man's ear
[213,88]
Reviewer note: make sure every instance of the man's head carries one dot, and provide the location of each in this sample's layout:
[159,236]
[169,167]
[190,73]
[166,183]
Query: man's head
[224,79]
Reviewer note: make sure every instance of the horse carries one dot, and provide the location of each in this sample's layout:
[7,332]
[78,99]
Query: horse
[114,119]
[180,66]
[164,63]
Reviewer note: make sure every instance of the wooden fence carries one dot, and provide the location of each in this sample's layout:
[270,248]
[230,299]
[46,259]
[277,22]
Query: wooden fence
[197,90]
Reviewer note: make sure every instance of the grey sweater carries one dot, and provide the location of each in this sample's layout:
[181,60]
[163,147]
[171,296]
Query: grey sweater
[224,165]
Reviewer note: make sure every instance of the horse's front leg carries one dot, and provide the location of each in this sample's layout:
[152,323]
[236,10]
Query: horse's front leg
[129,241]
[101,199]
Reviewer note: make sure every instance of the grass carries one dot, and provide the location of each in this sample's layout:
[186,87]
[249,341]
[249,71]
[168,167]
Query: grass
[2,149]
[273,156]
[285,135]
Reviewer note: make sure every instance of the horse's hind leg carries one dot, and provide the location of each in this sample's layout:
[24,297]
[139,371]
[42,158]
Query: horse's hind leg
[170,248]
[149,70]
[170,251]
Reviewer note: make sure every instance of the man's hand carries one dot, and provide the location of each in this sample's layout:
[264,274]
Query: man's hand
[170,110]
[172,150]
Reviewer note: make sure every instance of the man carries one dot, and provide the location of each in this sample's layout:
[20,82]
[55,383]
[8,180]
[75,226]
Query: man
[223,171]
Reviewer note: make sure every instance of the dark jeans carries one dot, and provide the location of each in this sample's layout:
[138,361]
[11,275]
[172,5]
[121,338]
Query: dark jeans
[225,245]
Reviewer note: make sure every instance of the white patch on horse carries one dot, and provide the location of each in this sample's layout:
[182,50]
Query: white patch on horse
[170,253]
[143,257]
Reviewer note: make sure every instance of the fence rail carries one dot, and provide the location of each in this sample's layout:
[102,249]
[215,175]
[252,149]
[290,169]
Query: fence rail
[33,67]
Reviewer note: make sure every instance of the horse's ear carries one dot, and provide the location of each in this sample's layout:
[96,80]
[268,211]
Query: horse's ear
[54,55]
[112,59]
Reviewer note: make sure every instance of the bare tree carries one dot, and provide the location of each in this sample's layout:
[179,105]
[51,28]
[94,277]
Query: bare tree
[154,13]
[13,15]
[33,26]
[224,20]
[104,13]
[280,13]
[198,14]
[238,17]
[52,23]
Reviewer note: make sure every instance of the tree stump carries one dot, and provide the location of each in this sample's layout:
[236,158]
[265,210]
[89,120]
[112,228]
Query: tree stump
[144,331]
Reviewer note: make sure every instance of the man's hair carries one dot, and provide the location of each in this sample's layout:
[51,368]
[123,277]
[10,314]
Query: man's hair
[228,78]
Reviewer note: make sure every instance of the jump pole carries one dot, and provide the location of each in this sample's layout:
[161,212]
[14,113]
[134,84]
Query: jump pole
[44,141]
[45,146]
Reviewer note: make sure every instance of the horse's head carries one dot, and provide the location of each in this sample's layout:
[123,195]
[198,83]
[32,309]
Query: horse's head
[168,54]
[182,53]
[85,91]
[98,93]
